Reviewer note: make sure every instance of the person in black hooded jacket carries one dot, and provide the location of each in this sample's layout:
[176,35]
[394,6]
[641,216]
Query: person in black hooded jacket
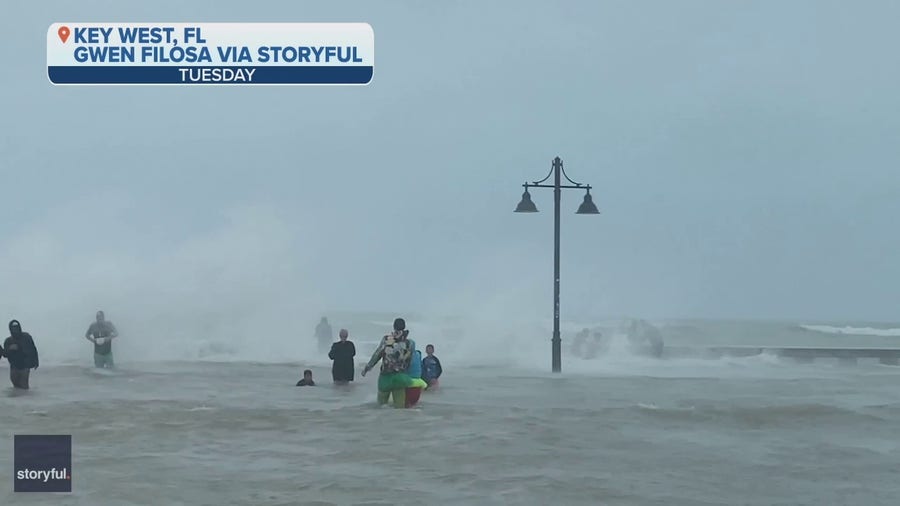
[22,355]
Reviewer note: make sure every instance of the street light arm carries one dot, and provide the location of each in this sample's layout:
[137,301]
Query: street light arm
[563,170]
[580,187]
[536,183]
[577,185]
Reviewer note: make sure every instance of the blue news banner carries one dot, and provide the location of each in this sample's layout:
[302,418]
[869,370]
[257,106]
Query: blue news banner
[210,53]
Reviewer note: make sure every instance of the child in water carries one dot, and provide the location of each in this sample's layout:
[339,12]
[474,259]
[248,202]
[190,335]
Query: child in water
[307,380]
[431,367]
[415,372]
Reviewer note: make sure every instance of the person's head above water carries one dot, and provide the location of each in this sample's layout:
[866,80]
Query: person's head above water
[344,334]
[323,320]
[15,328]
[100,316]
[307,374]
[429,349]
[399,324]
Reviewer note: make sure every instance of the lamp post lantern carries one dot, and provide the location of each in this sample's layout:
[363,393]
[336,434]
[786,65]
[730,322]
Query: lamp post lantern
[527,206]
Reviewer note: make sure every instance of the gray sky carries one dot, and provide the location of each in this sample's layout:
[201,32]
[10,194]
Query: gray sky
[744,156]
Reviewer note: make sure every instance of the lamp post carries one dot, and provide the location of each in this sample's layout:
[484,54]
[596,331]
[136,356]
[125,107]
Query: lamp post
[586,207]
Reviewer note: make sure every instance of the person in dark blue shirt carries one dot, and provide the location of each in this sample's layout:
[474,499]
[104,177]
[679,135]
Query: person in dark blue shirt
[431,367]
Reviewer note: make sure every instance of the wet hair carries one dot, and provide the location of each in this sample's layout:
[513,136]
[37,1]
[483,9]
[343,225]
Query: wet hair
[307,372]
[429,346]
[14,324]
[399,324]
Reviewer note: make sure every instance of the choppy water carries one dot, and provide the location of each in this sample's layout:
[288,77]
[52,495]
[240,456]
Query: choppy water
[618,430]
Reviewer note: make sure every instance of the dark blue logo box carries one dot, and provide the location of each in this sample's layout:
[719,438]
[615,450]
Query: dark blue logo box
[43,463]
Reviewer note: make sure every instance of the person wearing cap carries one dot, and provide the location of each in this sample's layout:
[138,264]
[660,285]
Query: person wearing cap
[394,352]
[22,355]
[101,333]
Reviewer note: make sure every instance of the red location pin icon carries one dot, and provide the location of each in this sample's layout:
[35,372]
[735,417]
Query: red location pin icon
[63,33]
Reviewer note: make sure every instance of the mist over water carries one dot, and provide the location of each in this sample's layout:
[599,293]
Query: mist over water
[238,285]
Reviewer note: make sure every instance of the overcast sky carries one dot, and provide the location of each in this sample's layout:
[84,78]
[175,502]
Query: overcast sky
[744,155]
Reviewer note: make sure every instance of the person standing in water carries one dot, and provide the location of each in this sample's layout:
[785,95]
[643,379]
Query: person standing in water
[431,367]
[101,333]
[394,352]
[342,353]
[22,355]
[323,334]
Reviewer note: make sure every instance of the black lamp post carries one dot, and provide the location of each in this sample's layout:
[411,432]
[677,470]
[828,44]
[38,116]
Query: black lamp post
[586,207]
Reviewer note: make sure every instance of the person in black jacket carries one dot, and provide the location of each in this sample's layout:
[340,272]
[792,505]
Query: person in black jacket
[22,355]
[342,353]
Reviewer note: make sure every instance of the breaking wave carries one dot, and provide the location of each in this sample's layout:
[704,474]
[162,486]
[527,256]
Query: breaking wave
[853,331]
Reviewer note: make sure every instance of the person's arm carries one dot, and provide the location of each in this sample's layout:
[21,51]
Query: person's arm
[331,352]
[375,356]
[113,332]
[34,350]
[439,368]
[90,330]
[352,350]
